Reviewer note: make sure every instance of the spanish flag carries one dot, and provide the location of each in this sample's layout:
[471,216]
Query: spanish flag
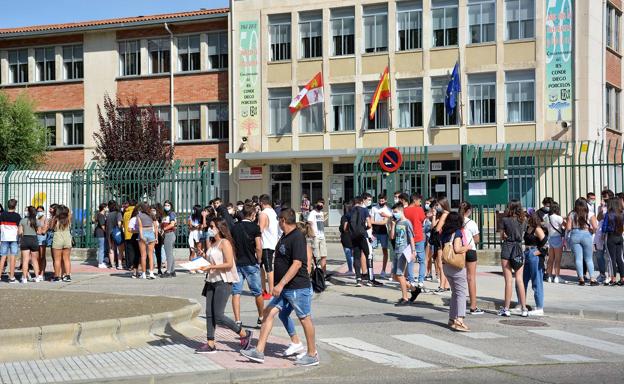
[381,93]
[312,93]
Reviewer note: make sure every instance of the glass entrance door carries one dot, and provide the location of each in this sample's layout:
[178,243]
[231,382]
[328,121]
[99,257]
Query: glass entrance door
[446,184]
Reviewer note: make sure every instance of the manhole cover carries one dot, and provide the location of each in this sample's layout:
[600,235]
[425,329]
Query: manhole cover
[524,323]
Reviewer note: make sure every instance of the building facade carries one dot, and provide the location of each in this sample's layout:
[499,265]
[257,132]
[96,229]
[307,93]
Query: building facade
[66,69]
[531,71]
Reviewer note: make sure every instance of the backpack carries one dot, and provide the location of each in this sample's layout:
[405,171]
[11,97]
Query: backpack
[357,228]
[117,236]
[450,257]
[317,277]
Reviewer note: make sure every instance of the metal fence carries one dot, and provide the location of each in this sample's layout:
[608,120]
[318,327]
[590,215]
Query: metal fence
[82,189]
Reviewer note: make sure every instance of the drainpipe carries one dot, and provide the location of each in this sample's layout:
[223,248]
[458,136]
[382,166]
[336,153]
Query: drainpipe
[171,125]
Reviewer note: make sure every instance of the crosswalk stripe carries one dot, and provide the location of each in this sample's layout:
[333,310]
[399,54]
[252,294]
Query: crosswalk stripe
[451,349]
[572,358]
[613,331]
[585,341]
[374,353]
[483,335]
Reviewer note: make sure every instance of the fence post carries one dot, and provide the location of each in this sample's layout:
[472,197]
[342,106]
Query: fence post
[88,181]
[7,176]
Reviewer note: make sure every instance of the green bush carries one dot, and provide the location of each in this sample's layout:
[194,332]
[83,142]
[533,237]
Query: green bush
[22,137]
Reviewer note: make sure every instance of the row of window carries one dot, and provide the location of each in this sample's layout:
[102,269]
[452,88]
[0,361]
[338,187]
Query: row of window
[481,109]
[189,124]
[519,22]
[612,107]
[612,27]
[158,50]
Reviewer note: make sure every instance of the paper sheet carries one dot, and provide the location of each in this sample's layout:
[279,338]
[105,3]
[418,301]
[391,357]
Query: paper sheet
[407,252]
[195,264]
[477,189]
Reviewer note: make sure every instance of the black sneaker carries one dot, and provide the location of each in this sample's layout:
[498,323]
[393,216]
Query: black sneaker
[165,275]
[377,283]
[545,277]
[245,342]
[415,294]
[401,303]
[172,274]
[206,349]
[67,279]
[358,283]
[56,279]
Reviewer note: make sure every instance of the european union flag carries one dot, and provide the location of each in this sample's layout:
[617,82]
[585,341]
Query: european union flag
[452,89]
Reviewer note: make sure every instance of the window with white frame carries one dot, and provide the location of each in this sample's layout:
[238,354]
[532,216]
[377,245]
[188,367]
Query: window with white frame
[409,25]
[48,121]
[311,34]
[520,19]
[159,51]
[482,98]
[73,128]
[45,66]
[380,121]
[444,20]
[189,122]
[311,118]
[343,107]
[409,97]
[439,117]
[612,107]
[217,50]
[612,26]
[279,114]
[72,62]
[218,121]
[520,95]
[18,66]
[481,21]
[279,37]
[129,58]
[188,53]
[375,28]
[343,31]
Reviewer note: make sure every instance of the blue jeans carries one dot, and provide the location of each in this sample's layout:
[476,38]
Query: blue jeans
[581,243]
[101,249]
[600,258]
[299,300]
[420,256]
[534,271]
[349,256]
[251,273]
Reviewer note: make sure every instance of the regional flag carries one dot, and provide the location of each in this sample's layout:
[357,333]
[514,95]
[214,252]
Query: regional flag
[452,89]
[312,93]
[381,93]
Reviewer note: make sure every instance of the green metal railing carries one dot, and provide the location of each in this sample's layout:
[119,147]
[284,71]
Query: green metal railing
[82,189]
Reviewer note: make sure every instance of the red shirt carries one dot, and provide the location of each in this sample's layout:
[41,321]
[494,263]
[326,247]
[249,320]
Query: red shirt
[416,215]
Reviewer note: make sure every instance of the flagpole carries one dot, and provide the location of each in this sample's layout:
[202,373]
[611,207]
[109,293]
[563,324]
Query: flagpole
[461,96]
[324,105]
[390,105]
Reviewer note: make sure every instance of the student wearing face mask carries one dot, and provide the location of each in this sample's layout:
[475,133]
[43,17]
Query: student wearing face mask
[42,230]
[28,245]
[379,219]
[168,228]
[402,232]
[99,233]
[316,218]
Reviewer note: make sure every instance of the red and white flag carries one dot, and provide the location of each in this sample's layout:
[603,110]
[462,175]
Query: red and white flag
[312,93]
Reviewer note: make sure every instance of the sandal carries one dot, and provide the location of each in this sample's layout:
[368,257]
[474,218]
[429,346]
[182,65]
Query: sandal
[459,326]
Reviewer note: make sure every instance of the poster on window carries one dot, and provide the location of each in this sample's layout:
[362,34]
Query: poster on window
[249,80]
[559,60]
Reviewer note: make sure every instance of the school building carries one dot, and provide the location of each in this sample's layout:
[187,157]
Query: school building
[541,72]
[176,62]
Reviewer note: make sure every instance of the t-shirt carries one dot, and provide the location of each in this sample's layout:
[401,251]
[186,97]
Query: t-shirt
[514,229]
[127,215]
[345,236]
[445,237]
[471,229]
[244,234]
[26,228]
[290,247]
[375,213]
[416,215]
[146,220]
[168,218]
[9,222]
[317,219]
[112,220]
[361,213]
[554,226]
[403,231]
[100,221]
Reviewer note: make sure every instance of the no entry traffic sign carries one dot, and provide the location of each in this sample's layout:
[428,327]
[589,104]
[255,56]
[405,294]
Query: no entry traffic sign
[390,159]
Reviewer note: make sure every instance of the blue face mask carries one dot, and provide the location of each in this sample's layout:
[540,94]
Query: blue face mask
[427,207]
[397,216]
[210,233]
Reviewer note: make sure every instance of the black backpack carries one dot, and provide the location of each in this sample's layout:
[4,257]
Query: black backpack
[357,226]
[318,277]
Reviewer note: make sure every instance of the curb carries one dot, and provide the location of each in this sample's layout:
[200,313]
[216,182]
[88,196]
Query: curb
[57,340]
[493,305]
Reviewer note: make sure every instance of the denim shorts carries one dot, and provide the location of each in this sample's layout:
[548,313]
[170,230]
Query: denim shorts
[42,240]
[555,241]
[251,273]
[148,236]
[382,240]
[9,248]
[299,299]
[398,264]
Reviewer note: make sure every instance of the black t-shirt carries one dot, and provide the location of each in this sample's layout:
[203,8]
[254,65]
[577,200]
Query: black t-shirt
[100,221]
[345,236]
[112,219]
[292,247]
[244,234]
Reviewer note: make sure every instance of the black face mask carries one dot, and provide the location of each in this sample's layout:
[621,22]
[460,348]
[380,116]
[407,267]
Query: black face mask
[319,207]
[382,204]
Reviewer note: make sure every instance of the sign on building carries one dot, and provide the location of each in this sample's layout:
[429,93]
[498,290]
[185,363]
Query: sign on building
[250,173]
[559,60]
[249,79]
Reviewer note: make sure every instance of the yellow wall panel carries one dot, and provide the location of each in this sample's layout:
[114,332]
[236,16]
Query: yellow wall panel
[283,143]
[278,73]
[481,135]
[477,56]
[342,67]
[446,136]
[443,58]
[342,141]
[375,139]
[519,52]
[374,64]
[519,133]
[408,62]
[306,70]
[410,138]
[310,142]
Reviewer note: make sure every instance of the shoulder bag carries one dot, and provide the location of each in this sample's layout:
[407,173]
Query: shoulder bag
[457,260]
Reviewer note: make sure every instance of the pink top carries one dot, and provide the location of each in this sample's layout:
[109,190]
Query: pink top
[215,257]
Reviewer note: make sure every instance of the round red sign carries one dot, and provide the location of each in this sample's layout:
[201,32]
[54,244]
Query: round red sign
[390,159]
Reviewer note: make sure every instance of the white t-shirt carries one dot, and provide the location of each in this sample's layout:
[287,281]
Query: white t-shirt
[270,233]
[555,223]
[376,211]
[317,220]
[471,229]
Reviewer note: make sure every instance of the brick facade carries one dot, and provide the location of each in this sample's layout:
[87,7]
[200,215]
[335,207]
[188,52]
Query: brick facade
[613,65]
[188,153]
[36,41]
[66,157]
[52,96]
[176,29]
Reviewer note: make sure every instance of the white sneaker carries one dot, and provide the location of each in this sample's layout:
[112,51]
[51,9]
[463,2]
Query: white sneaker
[537,312]
[38,279]
[102,266]
[24,280]
[550,279]
[556,280]
[421,285]
[151,275]
[143,276]
[525,312]
[293,349]
[517,310]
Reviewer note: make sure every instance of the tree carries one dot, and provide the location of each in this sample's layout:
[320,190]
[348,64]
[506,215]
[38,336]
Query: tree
[23,140]
[131,148]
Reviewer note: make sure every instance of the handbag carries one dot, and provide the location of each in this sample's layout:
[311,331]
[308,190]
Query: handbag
[457,260]
[318,277]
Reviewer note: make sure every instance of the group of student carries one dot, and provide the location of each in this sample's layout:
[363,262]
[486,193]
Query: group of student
[29,235]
